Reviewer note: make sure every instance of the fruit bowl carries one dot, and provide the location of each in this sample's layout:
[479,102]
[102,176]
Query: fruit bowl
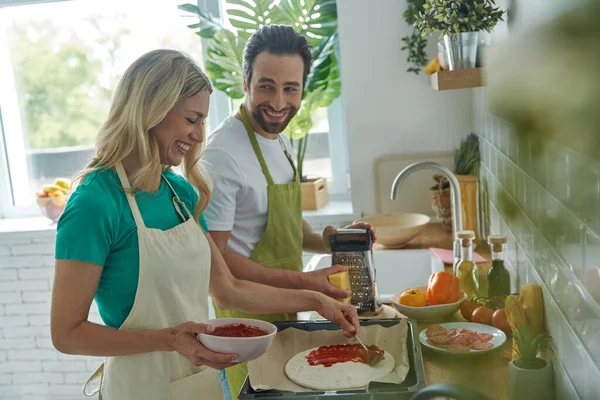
[394,231]
[247,348]
[427,313]
[52,199]
[53,207]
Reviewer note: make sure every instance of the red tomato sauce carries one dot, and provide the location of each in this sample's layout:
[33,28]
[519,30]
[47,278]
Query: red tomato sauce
[238,330]
[339,353]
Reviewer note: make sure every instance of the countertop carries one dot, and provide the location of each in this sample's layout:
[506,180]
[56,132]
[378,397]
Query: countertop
[486,373]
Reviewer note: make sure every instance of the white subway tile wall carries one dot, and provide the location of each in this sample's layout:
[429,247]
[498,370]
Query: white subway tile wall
[30,367]
[546,198]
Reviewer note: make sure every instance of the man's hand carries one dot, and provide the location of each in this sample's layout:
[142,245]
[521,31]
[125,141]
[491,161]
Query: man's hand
[317,281]
[330,230]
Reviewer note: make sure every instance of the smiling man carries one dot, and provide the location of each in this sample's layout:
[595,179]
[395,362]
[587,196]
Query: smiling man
[255,214]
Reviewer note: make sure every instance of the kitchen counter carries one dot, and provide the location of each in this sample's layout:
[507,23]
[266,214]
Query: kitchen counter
[486,373]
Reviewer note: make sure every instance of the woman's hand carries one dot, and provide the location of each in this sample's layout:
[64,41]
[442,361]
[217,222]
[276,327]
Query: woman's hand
[344,315]
[183,340]
[330,230]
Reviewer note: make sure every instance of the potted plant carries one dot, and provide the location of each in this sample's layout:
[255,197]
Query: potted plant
[224,63]
[530,376]
[459,23]
[466,162]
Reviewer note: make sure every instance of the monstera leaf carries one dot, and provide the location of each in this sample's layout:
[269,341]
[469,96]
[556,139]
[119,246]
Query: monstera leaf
[207,27]
[249,15]
[224,63]
[302,122]
[325,73]
[297,129]
[315,19]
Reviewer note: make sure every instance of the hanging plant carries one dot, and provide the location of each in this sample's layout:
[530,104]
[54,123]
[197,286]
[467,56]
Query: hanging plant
[414,43]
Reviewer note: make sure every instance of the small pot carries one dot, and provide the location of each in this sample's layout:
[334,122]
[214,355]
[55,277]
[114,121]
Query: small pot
[526,383]
[461,50]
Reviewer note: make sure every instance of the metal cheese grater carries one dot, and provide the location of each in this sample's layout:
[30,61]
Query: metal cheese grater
[354,248]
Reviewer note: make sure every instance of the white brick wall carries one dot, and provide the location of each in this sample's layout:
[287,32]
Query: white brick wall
[30,367]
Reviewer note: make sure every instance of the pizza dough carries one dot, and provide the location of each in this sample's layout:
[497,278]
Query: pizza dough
[346,375]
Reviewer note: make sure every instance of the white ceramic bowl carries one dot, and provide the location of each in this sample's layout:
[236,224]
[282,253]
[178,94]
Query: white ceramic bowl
[396,230]
[427,313]
[248,348]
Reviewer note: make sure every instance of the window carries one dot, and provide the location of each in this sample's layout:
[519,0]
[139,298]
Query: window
[59,64]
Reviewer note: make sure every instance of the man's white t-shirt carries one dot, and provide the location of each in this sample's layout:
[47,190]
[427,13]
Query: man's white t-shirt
[239,200]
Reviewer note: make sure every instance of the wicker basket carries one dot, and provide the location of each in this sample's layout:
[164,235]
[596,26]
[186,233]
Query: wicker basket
[441,202]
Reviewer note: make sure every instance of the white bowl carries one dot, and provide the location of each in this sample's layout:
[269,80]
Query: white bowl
[427,313]
[247,348]
[394,231]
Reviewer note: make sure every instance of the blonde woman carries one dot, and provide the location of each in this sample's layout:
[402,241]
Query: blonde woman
[131,238]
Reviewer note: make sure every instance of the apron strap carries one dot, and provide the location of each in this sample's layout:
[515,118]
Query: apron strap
[98,374]
[177,203]
[130,196]
[258,151]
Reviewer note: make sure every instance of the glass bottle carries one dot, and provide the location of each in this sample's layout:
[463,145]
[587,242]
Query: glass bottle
[467,269]
[498,275]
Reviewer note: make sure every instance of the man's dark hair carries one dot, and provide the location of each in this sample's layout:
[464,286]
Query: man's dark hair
[276,39]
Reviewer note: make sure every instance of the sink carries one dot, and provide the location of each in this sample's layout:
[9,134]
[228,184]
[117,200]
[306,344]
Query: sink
[395,270]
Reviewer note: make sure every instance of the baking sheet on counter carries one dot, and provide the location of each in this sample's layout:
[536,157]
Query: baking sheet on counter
[267,372]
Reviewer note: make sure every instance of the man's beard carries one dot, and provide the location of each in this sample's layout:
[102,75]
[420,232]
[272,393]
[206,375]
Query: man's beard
[272,127]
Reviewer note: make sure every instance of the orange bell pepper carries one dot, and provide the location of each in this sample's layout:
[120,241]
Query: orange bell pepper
[413,298]
[443,288]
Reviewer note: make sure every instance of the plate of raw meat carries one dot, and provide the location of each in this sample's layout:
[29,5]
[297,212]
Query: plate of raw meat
[462,338]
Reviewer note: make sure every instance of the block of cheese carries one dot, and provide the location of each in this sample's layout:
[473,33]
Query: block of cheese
[341,280]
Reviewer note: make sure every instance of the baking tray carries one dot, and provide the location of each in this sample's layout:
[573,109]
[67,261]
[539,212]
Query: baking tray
[414,381]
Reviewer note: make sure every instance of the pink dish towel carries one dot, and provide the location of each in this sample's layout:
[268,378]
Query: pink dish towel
[447,257]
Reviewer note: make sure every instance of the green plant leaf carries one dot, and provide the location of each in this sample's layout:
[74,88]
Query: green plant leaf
[249,15]
[302,122]
[451,18]
[207,27]
[315,19]
[224,63]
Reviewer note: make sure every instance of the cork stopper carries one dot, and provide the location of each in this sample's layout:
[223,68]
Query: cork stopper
[497,242]
[497,239]
[465,235]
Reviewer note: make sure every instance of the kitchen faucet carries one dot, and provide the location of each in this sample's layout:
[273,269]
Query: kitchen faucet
[455,188]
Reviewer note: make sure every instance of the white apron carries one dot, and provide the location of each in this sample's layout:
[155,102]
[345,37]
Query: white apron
[172,289]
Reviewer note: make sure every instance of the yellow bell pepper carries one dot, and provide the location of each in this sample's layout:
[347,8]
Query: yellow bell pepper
[413,298]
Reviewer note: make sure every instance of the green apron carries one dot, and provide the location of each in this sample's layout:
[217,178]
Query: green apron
[279,247]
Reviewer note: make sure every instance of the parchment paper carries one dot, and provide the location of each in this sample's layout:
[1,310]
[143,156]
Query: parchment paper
[267,372]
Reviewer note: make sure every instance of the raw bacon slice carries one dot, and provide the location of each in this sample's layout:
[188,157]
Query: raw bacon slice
[434,330]
[458,347]
[485,337]
[480,345]
[459,340]
[440,339]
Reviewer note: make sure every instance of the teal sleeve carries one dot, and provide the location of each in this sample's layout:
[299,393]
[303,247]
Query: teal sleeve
[85,230]
[203,223]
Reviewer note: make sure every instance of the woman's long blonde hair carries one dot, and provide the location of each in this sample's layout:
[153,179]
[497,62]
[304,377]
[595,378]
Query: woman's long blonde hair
[148,89]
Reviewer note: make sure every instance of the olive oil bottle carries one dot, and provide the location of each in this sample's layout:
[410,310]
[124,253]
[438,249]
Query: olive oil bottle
[467,269]
[498,275]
